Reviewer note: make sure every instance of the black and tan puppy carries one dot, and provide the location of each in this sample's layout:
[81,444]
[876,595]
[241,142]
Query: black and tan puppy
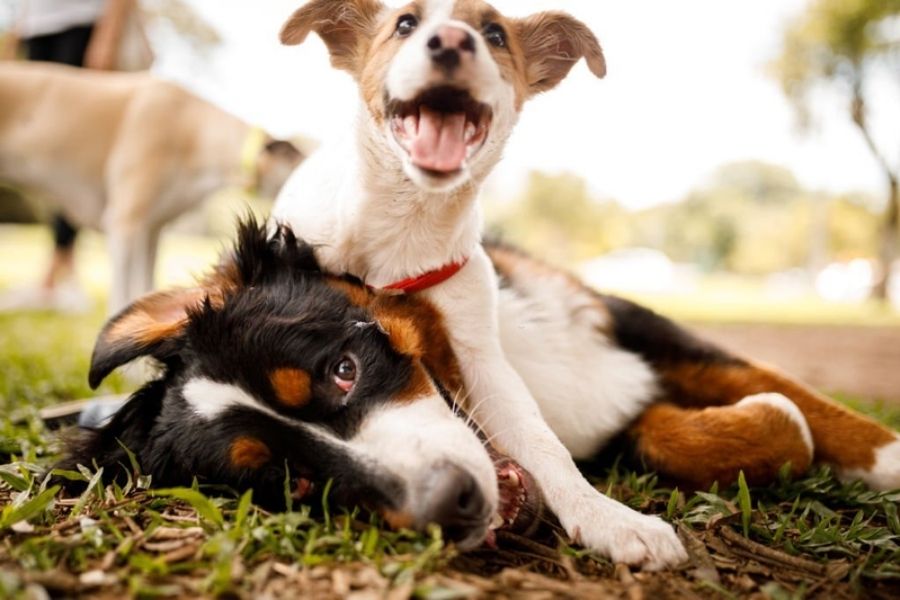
[272,367]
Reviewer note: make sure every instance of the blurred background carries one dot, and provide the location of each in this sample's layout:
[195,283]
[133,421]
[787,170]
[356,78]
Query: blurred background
[737,169]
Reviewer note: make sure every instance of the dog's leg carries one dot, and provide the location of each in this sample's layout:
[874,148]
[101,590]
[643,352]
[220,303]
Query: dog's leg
[505,409]
[133,254]
[856,446]
[695,373]
[698,446]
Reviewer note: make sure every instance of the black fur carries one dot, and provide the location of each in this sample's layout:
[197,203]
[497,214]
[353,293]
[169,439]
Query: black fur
[280,314]
[657,339]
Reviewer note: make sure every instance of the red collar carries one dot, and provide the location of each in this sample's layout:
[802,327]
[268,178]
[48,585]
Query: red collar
[427,280]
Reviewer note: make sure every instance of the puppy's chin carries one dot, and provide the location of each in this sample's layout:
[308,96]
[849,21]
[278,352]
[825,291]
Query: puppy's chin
[435,182]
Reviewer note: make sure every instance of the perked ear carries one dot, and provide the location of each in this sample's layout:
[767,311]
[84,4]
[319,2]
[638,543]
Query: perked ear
[553,42]
[342,24]
[151,326]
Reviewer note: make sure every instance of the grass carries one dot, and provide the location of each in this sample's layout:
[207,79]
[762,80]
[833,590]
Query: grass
[812,537]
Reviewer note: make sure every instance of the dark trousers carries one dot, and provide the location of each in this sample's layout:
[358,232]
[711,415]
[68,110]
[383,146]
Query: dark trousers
[67,47]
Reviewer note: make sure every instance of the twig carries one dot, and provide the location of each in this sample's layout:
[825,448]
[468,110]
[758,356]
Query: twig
[632,587]
[770,554]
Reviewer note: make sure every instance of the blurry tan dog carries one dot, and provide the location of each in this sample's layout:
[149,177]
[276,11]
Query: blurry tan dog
[126,153]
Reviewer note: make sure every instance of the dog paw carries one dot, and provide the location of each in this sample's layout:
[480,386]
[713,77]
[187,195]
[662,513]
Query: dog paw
[884,475]
[632,538]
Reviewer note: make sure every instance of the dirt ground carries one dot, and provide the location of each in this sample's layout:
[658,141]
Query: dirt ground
[858,361]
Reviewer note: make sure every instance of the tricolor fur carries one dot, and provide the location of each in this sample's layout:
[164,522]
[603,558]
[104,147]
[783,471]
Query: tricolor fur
[442,83]
[256,388]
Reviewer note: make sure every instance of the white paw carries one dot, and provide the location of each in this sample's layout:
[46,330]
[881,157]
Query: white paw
[884,474]
[627,536]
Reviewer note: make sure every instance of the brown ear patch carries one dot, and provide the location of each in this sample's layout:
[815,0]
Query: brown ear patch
[292,386]
[552,43]
[249,453]
[345,26]
[403,334]
[154,318]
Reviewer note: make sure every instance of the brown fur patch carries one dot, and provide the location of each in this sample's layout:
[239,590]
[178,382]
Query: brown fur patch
[382,49]
[403,333]
[358,294]
[249,453]
[511,59]
[700,446]
[397,519]
[419,385]
[154,318]
[436,352]
[552,42]
[841,437]
[292,386]
[346,26]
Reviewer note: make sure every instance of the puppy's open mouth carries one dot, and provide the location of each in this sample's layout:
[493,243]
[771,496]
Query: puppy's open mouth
[521,505]
[441,128]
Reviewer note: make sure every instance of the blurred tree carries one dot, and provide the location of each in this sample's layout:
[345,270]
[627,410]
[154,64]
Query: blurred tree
[749,217]
[841,43]
[557,218]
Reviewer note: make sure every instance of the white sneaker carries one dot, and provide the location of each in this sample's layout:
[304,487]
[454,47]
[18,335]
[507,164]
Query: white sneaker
[67,298]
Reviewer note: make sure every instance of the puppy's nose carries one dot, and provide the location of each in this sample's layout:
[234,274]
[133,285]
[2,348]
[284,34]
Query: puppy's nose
[449,46]
[454,501]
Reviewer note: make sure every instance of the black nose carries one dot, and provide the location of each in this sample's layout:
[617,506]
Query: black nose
[454,501]
[446,45]
[446,58]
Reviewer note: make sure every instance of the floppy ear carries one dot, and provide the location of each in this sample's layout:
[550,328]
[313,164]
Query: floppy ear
[342,24]
[553,42]
[283,149]
[151,326]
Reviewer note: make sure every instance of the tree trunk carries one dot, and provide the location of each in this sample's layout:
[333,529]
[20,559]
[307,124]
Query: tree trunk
[889,239]
[890,227]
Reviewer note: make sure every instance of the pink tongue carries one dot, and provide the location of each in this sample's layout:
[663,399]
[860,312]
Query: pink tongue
[440,143]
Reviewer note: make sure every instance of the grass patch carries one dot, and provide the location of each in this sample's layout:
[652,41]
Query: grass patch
[812,537]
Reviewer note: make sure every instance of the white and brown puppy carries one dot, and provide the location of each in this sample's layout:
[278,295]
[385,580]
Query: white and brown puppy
[393,202]
[124,153]
[550,372]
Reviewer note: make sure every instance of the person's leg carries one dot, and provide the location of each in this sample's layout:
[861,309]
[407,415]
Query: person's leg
[62,263]
[72,45]
[66,47]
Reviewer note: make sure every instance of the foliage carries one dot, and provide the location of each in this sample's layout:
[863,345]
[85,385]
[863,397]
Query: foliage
[557,215]
[842,44]
[837,41]
[133,540]
[749,218]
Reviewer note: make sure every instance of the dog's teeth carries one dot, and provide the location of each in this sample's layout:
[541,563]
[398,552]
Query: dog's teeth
[513,477]
[411,125]
[497,522]
[471,130]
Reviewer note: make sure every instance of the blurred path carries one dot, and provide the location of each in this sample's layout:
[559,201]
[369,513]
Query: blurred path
[859,361]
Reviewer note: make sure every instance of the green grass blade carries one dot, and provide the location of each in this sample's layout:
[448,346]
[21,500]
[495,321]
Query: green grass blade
[203,505]
[29,509]
[745,503]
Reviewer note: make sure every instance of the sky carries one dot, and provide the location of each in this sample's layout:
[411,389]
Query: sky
[686,92]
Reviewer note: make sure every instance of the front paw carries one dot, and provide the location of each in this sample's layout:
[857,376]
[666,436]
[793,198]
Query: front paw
[629,537]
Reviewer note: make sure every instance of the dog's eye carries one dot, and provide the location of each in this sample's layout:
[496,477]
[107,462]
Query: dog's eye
[406,24]
[495,35]
[344,373]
